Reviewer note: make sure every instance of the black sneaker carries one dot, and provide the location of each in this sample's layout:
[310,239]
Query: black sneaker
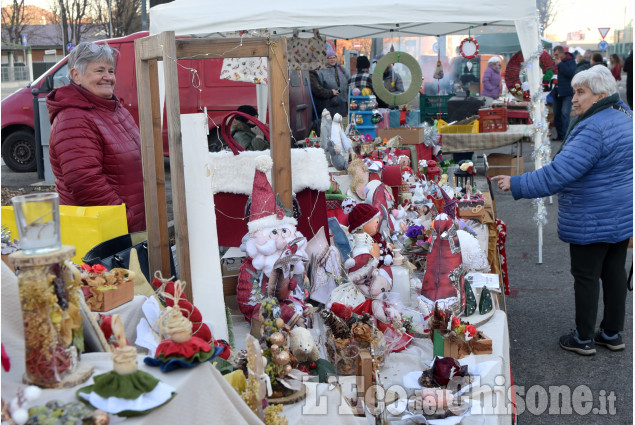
[571,342]
[613,344]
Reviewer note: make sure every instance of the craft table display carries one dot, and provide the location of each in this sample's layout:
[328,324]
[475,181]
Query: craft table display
[461,142]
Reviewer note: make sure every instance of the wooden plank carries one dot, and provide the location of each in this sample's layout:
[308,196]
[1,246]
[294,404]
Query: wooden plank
[221,48]
[149,48]
[279,120]
[164,238]
[150,190]
[173,112]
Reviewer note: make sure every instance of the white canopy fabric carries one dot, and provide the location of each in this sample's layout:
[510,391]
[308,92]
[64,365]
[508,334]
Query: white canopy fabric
[340,19]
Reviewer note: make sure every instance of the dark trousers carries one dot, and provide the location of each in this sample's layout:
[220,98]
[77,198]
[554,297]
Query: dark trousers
[589,264]
[562,114]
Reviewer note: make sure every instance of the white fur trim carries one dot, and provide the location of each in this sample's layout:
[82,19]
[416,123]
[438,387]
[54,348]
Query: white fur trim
[349,263]
[364,223]
[388,260]
[235,173]
[357,274]
[264,163]
[385,275]
[270,221]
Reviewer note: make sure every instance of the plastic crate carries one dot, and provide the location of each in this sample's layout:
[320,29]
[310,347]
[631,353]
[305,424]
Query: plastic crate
[444,128]
[492,120]
[429,105]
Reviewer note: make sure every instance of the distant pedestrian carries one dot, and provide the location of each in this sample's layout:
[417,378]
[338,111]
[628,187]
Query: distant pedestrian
[335,78]
[593,176]
[597,59]
[563,93]
[582,63]
[492,78]
[628,68]
[616,66]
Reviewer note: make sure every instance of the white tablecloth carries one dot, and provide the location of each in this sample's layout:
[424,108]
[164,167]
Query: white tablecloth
[203,396]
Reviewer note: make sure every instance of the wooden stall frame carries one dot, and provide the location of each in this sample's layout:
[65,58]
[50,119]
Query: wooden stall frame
[165,47]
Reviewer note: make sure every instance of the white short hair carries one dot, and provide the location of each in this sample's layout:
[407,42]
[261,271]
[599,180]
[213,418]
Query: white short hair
[598,79]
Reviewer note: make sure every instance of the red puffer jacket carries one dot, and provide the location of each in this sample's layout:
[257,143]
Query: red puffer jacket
[95,152]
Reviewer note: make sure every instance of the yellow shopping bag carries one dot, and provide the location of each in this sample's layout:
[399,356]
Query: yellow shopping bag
[82,227]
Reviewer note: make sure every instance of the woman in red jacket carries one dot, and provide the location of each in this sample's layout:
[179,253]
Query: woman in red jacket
[95,147]
[616,66]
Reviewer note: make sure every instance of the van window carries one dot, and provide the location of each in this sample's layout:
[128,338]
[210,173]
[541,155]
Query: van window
[60,77]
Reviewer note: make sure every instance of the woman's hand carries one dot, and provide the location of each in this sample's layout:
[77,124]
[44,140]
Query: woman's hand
[335,92]
[503,182]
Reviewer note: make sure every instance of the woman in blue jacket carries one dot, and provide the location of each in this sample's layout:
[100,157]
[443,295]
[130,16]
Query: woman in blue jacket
[593,176]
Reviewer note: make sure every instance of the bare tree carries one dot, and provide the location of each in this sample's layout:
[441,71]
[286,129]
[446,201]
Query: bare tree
[14,19]
[125,15]
[547,10]
[72,17]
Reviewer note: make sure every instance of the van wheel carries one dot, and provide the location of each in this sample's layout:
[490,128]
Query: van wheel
[18,151]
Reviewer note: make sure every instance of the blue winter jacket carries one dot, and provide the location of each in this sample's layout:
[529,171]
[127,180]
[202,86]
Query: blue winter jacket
[593,176]
[566,71]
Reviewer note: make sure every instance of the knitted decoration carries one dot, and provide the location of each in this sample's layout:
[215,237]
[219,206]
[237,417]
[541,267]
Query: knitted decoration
[485,304]
[125,391]
[470,299]
[189,311]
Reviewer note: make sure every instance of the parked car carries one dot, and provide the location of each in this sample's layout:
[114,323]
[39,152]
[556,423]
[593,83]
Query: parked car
[218,96]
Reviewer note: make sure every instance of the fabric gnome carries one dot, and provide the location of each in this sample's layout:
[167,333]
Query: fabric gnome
[363,224]
[325,133]
[339,145]
[375,283]
[273,240]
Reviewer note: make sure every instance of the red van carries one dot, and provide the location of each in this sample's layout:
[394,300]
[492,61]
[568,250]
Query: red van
[219,97]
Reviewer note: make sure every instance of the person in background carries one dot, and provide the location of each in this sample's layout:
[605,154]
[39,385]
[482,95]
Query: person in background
[392,82]
[334,77]
[582,63]
[94,145]
[616,66]
[362,78]
[597,59]
[628,68]
[562,93]
[320,94]
[245,133]
[593,176]
[492,78]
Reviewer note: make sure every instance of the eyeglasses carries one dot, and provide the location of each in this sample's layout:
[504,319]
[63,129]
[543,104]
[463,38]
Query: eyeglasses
[95,48]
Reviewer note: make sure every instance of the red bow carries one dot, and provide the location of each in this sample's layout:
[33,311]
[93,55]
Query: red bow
[97,268]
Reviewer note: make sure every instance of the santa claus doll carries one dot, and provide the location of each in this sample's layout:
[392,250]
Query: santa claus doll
[275,252]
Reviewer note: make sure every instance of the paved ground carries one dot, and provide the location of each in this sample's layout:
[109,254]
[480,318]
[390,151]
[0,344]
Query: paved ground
[540,309]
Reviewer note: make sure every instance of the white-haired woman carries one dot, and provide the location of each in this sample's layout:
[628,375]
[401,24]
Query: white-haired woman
[492,78]
[593,176]
[95,147]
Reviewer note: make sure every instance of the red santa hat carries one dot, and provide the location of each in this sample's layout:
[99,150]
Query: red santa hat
[361,214]
[264,211]
[386,272]
[360,266]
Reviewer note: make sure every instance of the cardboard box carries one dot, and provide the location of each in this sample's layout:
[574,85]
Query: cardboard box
[500,163]
[409,136]
[230,266]
[108,299]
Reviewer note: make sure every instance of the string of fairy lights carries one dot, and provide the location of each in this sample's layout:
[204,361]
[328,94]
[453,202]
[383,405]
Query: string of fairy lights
[541,145]
[196,80]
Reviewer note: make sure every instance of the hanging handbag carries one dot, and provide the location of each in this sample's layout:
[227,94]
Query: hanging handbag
[115,253]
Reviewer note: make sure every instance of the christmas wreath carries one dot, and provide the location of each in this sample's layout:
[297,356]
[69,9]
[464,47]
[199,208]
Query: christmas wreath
[469,48]
[378,78]
[512,71]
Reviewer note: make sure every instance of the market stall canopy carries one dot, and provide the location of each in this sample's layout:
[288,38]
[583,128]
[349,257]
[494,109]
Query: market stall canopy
[337,19]
[503,43]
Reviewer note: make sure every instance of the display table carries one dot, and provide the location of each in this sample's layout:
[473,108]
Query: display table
[202,392]
[470,142]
